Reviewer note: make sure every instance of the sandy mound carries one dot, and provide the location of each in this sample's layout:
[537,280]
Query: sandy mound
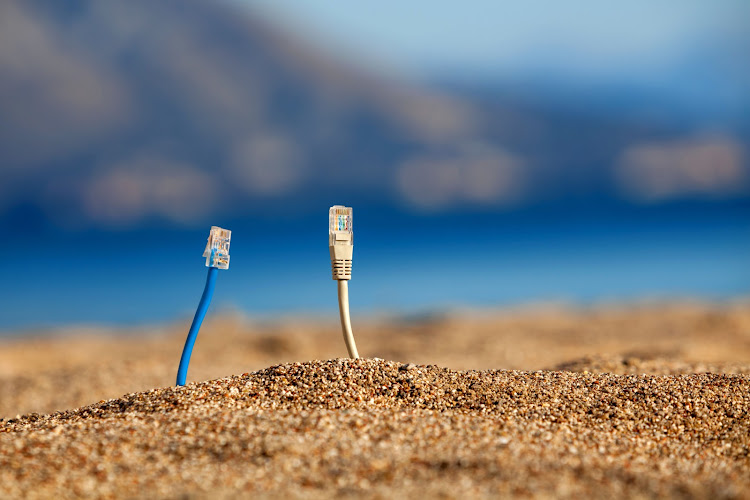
[46,373]
[383,429]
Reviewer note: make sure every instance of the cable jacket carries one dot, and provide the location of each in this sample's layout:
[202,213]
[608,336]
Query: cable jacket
[208,293]
[346,324]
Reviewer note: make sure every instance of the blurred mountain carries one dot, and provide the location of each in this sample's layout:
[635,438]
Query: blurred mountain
[119,114]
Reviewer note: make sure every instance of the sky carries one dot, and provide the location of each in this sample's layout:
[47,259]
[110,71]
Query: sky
[490,36]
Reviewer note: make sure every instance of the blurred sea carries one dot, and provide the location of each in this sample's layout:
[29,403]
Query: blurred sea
[403,265]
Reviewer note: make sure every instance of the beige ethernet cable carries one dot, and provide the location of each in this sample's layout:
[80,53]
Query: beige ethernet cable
[341,245]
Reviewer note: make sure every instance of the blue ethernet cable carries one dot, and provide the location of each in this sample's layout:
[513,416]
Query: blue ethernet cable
[208,293]
[217,257]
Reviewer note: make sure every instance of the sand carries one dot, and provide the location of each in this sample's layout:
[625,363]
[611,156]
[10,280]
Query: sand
[637,401]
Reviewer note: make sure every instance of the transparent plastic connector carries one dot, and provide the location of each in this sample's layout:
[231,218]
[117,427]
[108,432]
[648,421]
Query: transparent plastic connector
[217,248]
[340,225]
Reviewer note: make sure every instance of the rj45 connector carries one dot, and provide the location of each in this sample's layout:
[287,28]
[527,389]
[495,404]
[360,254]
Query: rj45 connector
[217,248]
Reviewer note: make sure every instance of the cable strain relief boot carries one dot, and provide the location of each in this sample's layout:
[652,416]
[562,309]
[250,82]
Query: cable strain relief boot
[341,269]
[341,262]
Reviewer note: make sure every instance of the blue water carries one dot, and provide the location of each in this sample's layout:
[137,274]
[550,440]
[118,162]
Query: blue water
[402,265]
